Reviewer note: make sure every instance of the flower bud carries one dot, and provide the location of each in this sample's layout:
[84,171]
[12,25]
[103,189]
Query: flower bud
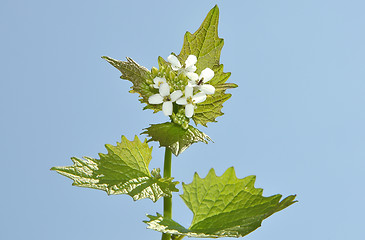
[156,173]
[174,119]
[161,72]
[172,75]
[181,76]
[185,125]
[181,111]
[167,71]
[154,72]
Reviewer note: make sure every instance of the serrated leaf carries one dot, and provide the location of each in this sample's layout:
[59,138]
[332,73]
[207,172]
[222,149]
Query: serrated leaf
[206,46]
[220,79]
[135,73]
[223,206]
[123,170]
[210,108]
[174,137]
[204,43]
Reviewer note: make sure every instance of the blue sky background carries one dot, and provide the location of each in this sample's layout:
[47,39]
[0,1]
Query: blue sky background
[296,120]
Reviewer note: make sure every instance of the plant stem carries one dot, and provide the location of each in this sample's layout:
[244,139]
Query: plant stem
[179,237]
[167,201]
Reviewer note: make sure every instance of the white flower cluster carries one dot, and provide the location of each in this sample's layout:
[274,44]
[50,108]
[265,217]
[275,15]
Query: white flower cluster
[195,92]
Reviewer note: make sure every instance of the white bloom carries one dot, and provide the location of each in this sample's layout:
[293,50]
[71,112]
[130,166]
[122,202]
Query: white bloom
[189,65]
[165,98]
[191,100]
[199,81]
[158,81]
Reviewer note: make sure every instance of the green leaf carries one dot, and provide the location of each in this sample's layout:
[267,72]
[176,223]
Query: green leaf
[174,137]
[223,206]
[138,75]
[208,110]
[204,43]
[123,170]
[206,46]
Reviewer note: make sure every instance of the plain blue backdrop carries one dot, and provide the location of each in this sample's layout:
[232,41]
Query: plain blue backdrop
[296,121]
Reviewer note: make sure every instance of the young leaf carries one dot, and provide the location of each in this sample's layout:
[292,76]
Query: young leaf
[223,206]
[206,46]
[208,110]
[204,43]
[174,137]
[123,170]
[135,73]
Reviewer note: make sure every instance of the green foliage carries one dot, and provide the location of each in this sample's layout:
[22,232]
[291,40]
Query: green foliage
[138,75]
[206,46]
[223,206]
[208,110]
[174,137]
[123,170]
[204,43]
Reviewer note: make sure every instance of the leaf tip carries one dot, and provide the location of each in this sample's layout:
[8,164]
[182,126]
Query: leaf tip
[108,59]
[214,10]
[124,138]
[233,85]
[231,171]
[136,138]
[212,171]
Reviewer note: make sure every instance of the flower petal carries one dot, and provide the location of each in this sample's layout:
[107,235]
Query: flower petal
[182,101]
[155,99]
[192,76]
[164,89]
[199,97]
[190,61]
[158,81]
[207,89]
[207,74]
[189,110]
[190,69]
[167,108]
[176,95]
[189,91]
[175,63]
[192,84]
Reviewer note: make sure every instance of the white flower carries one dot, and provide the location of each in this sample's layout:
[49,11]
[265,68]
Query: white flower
[158,81]
[199,81]
[191,100]
[165,98]
[189,65]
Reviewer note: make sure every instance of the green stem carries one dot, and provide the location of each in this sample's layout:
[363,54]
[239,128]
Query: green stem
[167,201]
[179,237]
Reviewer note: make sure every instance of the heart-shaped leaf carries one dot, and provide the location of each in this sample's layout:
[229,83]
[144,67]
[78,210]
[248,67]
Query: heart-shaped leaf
[123,170]
[223,206]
